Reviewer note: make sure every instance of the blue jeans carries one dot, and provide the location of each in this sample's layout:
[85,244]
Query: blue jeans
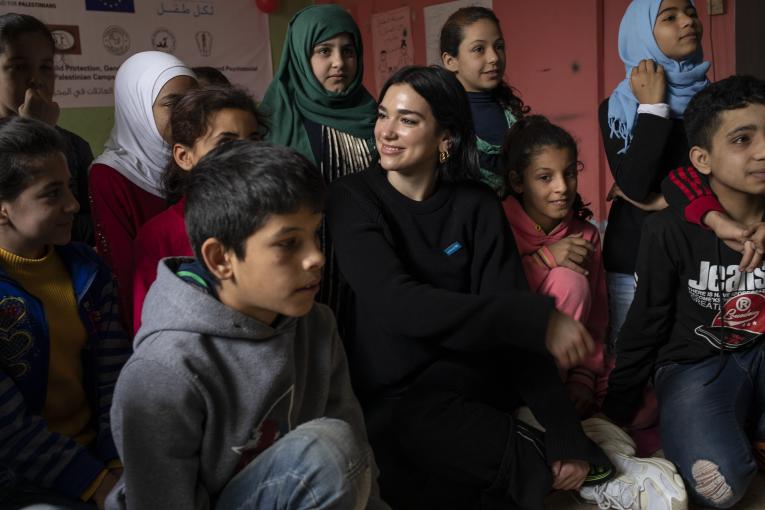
[707,425]
[621,292]
[319,465]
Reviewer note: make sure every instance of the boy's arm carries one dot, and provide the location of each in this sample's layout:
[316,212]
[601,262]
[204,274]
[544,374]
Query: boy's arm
[36,454]
[157,420]
[342,404]
[688,193]
[638,168]
[647,327]
[412,309]
[113,351]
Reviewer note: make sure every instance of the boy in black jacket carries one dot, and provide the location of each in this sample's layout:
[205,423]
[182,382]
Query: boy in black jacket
[696,323]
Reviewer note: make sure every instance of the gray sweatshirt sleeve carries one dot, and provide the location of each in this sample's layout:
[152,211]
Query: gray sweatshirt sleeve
[157,421]
[342,404]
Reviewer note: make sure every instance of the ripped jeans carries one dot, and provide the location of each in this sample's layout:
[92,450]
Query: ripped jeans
[707,428]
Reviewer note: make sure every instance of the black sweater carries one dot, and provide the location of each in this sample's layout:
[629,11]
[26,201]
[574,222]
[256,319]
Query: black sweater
[488,117]
[675,314]
[437,277]
[658,146]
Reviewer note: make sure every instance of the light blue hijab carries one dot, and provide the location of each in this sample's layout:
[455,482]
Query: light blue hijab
[636,43]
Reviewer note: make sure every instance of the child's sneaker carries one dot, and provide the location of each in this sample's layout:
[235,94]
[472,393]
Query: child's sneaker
[642,484]
[610,437]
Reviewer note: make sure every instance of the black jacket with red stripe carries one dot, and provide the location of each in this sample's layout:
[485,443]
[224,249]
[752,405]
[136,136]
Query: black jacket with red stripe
[688,191]
[658,147]
[691,303]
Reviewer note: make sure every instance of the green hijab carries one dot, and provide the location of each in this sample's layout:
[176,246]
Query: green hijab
[296,93]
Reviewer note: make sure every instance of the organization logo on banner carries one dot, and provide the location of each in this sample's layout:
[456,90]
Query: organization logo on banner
[163,40]
[66,38]
[110,5]
[204,42]
[116,40]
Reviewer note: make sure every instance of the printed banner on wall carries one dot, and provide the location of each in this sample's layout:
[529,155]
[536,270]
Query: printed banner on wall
[435,17]
[392,42]
[93,37]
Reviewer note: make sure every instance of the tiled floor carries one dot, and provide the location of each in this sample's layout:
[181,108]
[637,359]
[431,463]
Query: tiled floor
[754,500]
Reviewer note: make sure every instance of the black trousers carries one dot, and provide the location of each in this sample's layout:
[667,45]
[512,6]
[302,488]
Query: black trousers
[450,441]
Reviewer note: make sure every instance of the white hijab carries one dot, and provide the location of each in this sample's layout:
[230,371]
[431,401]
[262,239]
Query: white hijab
[135,148]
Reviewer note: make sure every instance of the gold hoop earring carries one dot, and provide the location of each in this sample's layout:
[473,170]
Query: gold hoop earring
[443,157]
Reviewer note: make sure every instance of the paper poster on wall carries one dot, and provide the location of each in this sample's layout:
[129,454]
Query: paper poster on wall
[435,17]
[391,42]
[93,37]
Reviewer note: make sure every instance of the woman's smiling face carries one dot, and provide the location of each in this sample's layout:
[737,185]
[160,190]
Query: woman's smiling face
[407,134]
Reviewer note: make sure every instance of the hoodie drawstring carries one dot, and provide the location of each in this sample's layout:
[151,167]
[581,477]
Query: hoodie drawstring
[721,296]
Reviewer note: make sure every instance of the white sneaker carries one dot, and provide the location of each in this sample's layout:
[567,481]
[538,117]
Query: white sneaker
[610,437]
[641,484]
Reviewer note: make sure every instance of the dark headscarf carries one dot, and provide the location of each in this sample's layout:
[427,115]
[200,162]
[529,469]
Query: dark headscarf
[295,93]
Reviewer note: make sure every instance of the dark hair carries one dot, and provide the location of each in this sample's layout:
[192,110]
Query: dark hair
[702,115]
[207,76]
[235,188]
[190,119]
[449,104]
[451,38]
[24,143]
[527,138]
[13,25]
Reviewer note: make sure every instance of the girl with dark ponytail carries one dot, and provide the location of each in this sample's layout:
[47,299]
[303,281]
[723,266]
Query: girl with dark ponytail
[560,250]
[473,48]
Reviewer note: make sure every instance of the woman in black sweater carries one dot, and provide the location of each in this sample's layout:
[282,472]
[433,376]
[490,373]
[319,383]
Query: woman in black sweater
[446,340]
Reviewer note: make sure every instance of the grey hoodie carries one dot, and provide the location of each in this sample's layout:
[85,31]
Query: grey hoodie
[208,388]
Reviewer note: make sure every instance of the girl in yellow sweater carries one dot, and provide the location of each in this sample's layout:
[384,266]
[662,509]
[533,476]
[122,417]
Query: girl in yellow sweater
[61,345]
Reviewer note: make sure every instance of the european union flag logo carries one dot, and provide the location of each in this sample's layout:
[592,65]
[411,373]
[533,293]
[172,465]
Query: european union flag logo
[110,5]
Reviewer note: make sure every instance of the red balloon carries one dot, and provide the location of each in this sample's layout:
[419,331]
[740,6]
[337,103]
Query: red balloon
[267,6]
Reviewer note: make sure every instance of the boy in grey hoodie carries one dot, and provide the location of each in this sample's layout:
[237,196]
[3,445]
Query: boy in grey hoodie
[238,394]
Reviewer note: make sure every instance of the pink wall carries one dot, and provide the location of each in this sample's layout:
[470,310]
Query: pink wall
[562,57]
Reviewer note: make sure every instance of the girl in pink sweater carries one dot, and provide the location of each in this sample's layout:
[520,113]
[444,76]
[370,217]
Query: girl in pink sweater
[559,248]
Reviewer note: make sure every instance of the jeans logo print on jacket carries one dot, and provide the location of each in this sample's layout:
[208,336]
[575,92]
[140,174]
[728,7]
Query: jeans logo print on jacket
[742,316]
[15,338]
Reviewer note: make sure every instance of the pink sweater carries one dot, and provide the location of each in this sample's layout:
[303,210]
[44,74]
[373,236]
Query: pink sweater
[119,209]
[162,236]
[537,261]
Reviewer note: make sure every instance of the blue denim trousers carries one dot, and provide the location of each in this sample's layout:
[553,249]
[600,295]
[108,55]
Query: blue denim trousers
[319,465]
[621,292]
[709,420]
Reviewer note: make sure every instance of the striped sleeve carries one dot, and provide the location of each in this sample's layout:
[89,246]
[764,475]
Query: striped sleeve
[36,454]
[113,350]
[687,191]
